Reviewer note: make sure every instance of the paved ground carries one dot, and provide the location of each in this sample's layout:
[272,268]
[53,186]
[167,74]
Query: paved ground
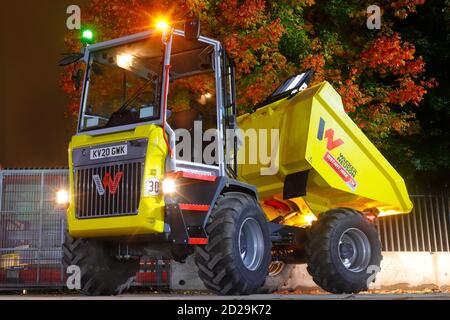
[402,296]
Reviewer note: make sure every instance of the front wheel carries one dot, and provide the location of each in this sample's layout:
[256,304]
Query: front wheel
[236,259]
[101,273]
[343,251]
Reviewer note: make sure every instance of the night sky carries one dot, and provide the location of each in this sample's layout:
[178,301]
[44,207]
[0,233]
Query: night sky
[35,127]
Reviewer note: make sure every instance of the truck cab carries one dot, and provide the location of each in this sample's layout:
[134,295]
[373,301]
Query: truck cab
[144,113]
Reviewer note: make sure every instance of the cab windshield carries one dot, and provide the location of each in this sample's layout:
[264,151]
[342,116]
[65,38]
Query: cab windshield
[124,85]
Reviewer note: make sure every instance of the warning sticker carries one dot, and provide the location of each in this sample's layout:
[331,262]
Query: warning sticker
[340,170]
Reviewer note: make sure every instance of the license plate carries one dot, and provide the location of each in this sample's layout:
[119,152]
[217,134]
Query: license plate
[107,152]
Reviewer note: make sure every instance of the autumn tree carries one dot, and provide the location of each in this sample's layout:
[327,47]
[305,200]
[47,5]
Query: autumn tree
[429,165]
[379,75]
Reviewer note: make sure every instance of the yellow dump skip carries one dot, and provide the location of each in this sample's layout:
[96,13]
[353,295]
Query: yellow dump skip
[346,169]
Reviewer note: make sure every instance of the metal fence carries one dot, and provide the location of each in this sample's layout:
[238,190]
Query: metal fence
[31,228]
[32,231]
[426,228]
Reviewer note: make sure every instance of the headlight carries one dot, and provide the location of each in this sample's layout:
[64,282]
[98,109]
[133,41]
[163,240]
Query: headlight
[62,197]
[169,185]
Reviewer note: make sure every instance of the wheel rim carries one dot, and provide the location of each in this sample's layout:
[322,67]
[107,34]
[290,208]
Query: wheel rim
[354,250]
[251,244]
[275,268]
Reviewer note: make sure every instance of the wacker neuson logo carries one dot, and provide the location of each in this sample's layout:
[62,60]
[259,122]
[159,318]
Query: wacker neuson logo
[341,165]
[107,183]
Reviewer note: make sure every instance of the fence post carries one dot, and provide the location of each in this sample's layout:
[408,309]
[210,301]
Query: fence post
[41,209]
[1,189]
[445,210]
[158,271]
[415,212]
[1,214]
[63,227]
[438,218]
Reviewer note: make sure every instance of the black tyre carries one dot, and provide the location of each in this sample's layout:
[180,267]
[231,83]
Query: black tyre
[340,248]
[101,273]
[237,257]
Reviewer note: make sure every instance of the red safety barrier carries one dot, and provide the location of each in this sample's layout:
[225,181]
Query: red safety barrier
[46,275]
[150,277]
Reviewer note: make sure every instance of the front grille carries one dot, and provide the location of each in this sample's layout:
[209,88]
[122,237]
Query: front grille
[110,196]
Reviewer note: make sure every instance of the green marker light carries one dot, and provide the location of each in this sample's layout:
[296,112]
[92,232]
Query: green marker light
[87,34]
[87,37]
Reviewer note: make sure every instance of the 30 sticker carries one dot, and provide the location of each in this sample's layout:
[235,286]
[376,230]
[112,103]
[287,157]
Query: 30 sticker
[151,187]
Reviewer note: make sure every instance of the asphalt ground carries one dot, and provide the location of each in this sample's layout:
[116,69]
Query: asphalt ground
[205,296]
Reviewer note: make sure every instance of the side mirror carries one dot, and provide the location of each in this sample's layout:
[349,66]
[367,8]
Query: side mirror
[77,78]
[192,28]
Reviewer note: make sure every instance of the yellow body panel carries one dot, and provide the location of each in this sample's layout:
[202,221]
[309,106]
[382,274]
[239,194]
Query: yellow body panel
[316,134]
[150,217]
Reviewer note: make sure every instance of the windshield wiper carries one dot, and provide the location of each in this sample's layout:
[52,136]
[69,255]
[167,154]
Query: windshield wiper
[134,96]
[119,116]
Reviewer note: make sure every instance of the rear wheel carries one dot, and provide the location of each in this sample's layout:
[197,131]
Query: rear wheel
[340,248]
[237,257]
[101,273]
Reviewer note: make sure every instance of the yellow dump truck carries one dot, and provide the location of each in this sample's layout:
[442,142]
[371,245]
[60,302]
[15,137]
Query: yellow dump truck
[340,166]
[152,177]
